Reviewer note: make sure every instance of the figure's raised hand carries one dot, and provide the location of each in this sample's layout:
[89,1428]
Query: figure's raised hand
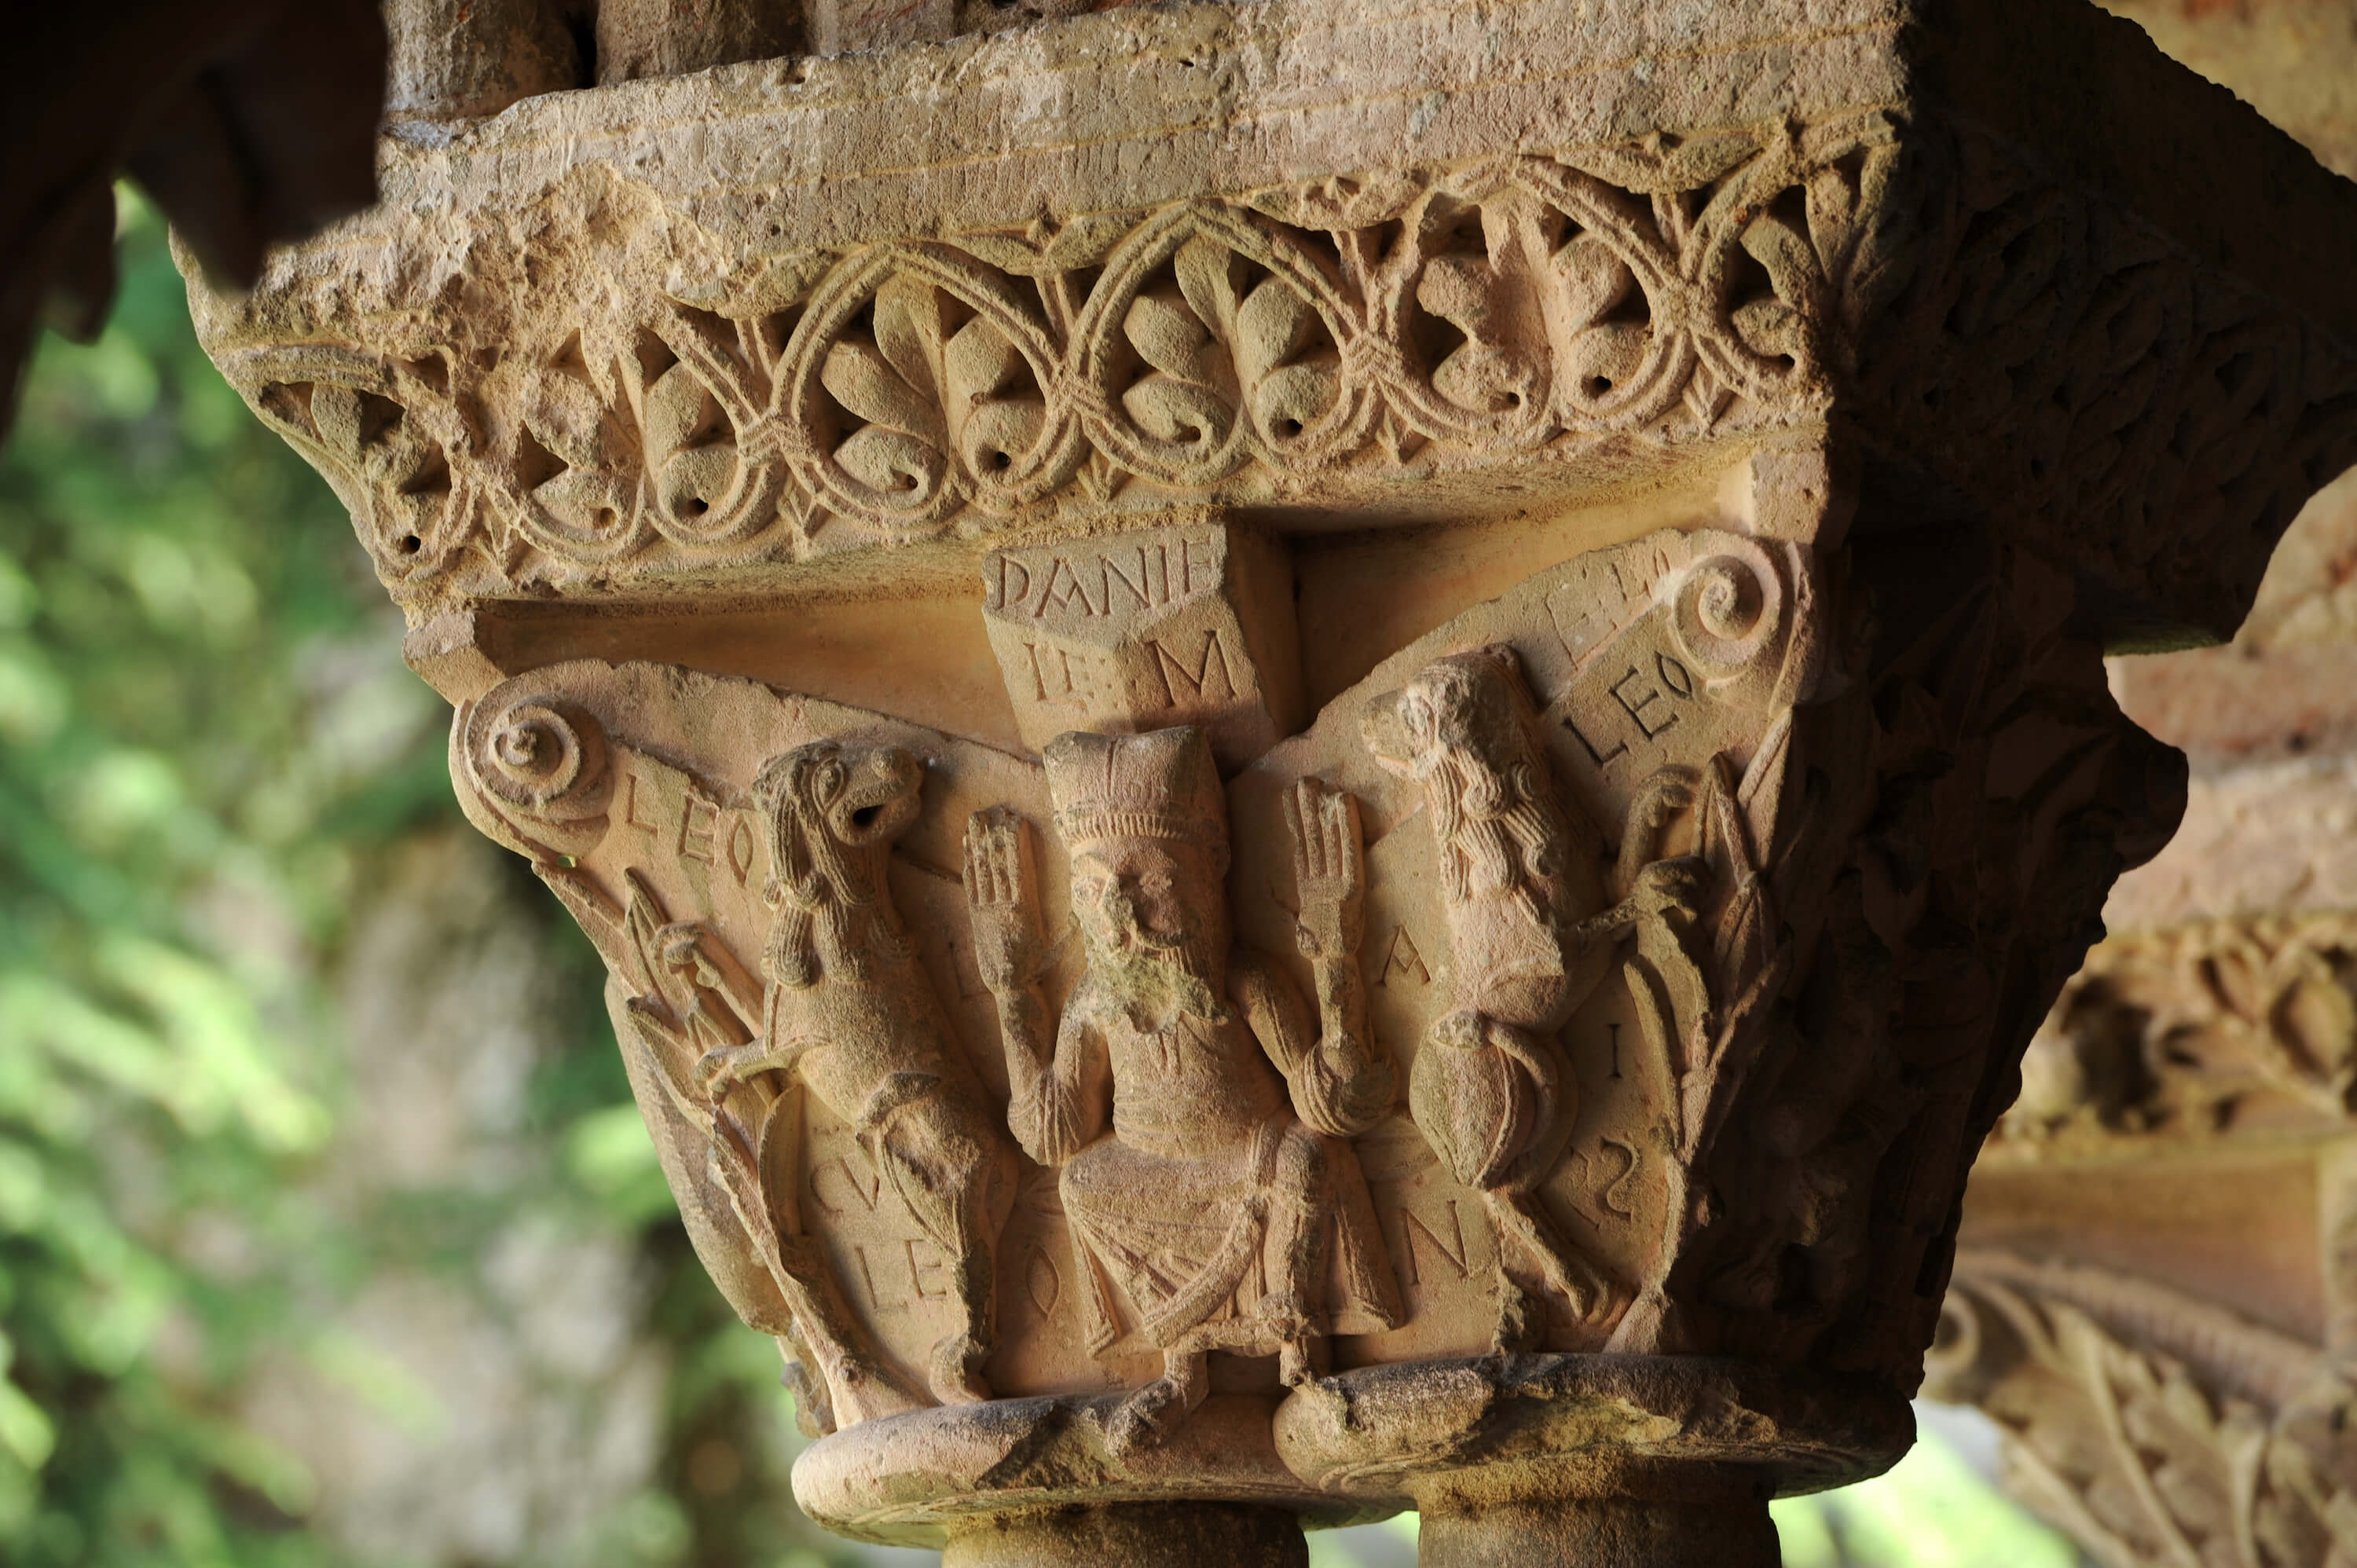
[1002,899]
[1329,871]
[725,1067]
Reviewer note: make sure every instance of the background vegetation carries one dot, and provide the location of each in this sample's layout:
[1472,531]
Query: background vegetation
[328,1234]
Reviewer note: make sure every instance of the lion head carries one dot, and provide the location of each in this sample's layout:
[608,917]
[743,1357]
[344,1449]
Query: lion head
[834,810]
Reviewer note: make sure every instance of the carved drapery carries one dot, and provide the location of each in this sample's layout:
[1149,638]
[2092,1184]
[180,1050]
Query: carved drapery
[1320,1017]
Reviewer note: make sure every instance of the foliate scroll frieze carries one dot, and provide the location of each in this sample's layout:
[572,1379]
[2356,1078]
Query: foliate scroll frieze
[1256,348]
[2152,1426]
[2234,1024]
[672,408]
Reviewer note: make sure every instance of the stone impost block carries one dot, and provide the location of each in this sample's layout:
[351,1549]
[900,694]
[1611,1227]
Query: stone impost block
[1188,623]
[1378,262]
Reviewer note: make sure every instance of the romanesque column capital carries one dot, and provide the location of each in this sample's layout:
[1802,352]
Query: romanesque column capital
[1329,756]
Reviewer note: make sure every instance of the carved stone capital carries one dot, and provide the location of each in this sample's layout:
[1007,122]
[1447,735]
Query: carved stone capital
[1344,774]
[2154,1426]
[1586,978]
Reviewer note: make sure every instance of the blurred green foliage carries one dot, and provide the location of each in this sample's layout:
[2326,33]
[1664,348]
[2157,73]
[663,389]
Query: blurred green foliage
[184,785]
[206,742]
[1929,1511]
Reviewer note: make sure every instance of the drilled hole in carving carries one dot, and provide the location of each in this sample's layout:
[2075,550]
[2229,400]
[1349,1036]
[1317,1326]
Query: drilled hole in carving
[1174,374]
[288,402]
[654,355]
[1002,460]
[411,544]
[380,416]
[866,816]
[1289,426]
[535,465]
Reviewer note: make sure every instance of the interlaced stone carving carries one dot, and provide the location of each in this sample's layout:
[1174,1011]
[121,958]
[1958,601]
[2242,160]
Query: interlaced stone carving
[1344,338]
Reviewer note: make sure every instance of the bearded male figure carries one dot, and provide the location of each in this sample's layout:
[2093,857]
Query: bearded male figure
[1197,1117]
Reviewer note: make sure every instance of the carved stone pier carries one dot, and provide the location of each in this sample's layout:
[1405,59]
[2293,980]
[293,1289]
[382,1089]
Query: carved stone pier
[1329,756]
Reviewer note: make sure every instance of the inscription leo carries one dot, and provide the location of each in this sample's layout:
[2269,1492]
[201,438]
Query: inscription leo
[1649,701]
